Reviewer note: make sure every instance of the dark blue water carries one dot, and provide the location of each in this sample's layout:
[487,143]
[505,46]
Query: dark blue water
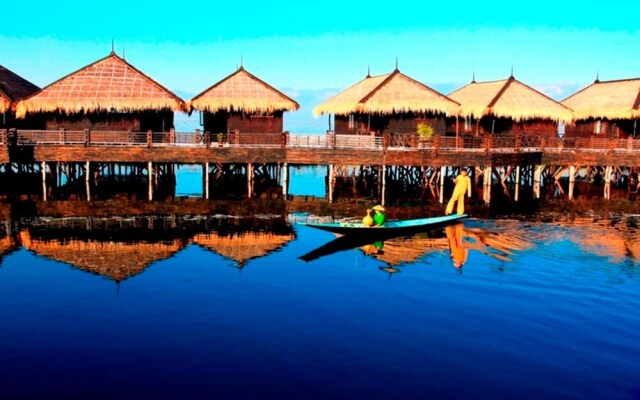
[537,311]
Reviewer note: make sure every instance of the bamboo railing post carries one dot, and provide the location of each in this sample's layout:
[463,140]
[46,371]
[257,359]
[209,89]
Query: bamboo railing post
[207,139]
[172,136]
[61,135]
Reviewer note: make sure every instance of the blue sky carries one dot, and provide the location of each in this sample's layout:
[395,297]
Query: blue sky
[310,50]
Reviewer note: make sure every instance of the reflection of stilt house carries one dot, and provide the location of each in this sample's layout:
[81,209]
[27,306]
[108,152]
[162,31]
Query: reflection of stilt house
[244,103]
[606,109]
[115,260]
[390,103]
[243,246]
[108,95]
[13,88]
[508,106]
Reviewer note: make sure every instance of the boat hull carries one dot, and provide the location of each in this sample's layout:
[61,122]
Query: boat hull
[394,228]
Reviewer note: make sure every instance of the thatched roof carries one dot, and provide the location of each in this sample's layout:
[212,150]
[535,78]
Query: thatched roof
[115,260]
[242,247]
[618,99]
[13,88]
[388,94]
[509,98]
[243,92]
[109,84]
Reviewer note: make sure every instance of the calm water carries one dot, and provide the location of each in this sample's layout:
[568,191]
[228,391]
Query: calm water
[537,310]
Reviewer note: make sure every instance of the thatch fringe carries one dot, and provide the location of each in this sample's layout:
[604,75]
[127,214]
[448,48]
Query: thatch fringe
[86,106]
[5,104]
[243,247]
[249,106]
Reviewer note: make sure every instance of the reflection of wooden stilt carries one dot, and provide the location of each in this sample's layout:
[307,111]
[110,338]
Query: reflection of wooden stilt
[383,192]
[249,180]
[516,195]
[537,175]
[285,180]
[443,174]
[150,180]
[87,177]
[607,182]
[572,180]
[205,171]
[43,168]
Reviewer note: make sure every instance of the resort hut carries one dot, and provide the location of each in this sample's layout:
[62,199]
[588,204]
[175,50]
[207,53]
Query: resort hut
[508,107]
[389,103]
[243,246]
[108,95]
[606,109]
[13,88]
[114,260]
[242,102]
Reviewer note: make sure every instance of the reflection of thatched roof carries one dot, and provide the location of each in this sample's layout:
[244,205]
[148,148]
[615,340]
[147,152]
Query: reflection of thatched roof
[408,249]
[115,260]
[7,245]
[243,246]
[243,92]
[13,88]
[387,94]
[109,84]
[618,99]
[508,98]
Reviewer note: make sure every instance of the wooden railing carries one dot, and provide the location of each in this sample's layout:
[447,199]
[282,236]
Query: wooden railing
[286,140]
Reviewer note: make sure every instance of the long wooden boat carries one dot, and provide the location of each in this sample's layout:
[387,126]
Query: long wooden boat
[395,228]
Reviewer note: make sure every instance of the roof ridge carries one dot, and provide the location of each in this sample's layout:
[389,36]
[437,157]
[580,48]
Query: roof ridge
[542,94]
[500,92]
[395,73]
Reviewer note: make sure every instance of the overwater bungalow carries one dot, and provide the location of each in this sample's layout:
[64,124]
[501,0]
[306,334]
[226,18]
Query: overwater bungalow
[107,95]
[510,107]
[114,260]
[13,88]
[244,103]
[389,103]
[606,109]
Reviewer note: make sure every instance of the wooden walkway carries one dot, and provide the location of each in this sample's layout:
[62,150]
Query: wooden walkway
[195,148]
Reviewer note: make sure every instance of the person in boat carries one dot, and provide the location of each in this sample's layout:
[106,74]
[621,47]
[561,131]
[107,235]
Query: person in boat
[463,185]
[379,217]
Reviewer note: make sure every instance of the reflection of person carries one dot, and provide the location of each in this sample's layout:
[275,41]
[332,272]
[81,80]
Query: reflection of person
[463,185]
[457,248]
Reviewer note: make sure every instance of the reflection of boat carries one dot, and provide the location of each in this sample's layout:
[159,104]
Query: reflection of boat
[392,228]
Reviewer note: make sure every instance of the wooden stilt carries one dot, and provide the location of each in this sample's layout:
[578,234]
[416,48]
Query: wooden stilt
[249,180]
[43,169]
[150,179]
[285,180]
[537,176]
[486,190]
[87,181]
[205,172]
[330,183]
[572,180]
[516,195]
[607,182]
[383,190]
[443,174]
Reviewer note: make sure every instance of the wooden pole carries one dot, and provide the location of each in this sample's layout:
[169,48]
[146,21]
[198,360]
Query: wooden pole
[205,172]
[517,190]
[572,180]
[43,169]
[486,190]
[537,176]
[607,182]
[330,184]
[249,180]
[383,192]
[87,177]
[285,180]
[443,174]
[150,179]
